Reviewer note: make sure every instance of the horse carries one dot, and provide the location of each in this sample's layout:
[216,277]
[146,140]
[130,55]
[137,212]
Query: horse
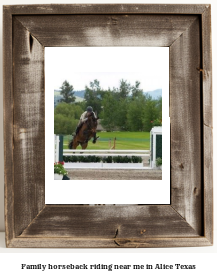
[85,133]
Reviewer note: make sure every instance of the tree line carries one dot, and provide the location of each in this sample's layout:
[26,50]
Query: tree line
[125,108]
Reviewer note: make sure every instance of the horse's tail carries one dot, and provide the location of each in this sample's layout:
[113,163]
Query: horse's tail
[70,144]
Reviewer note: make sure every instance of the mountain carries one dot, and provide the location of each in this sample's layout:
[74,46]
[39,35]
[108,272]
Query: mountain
[80,95]
[155,94]
[77,94]
[56,92]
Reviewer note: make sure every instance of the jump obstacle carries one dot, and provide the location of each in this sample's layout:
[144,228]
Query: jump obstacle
[59,152]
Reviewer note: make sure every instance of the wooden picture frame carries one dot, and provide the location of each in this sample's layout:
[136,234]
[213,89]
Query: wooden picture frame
[186,30]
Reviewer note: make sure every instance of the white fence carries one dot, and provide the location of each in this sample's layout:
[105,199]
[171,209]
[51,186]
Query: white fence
[141,153]
[56,148]
[105,153]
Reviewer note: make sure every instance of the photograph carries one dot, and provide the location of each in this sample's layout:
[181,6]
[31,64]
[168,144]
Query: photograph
[116,127]
[108,117]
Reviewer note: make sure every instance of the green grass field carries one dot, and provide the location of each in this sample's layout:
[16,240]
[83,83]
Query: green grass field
[124,141]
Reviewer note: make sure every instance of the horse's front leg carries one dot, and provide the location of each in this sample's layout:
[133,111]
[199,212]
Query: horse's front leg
[75,144]
[70,145]
[84,146]
[95,138]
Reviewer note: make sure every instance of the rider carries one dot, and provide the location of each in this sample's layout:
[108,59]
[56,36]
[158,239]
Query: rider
[84,117]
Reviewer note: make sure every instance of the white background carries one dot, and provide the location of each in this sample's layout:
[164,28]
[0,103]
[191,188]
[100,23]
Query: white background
[205,257]
[151,63]
[81,65]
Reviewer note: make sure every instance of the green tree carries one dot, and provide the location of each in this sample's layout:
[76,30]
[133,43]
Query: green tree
[136,91]
[135,113]
[124,89]
[93,96]
[78,111]
[121,114]
[159,107]
[67,92]
[123,107]
[114,112]
[65,109]
[64,125]
[121,97]
[150,112]
[82,105]
[109,111]
[66,117]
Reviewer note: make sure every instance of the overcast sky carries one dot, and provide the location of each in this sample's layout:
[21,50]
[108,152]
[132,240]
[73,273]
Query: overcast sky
[81,65]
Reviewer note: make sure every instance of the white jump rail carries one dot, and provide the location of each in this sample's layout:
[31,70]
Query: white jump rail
[108,151]
[68,152]
[105,153]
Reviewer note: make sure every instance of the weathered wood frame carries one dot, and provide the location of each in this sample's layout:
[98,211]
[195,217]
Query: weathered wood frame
[188,220]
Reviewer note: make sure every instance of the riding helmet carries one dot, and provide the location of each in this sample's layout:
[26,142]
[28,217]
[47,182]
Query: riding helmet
[89,109]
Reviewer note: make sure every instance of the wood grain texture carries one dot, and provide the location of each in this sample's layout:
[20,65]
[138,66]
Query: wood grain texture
[185,116]
[208,183]
[163,242]
[29,132]
[8,125]
[207,66]
[186,30]
[106,9]
[107,30]
[207,122]
[109,222]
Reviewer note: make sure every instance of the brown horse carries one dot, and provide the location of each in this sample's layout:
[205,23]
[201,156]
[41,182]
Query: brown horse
[85,133]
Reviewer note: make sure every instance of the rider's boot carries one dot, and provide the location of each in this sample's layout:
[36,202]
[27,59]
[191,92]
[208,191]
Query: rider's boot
[95,138]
